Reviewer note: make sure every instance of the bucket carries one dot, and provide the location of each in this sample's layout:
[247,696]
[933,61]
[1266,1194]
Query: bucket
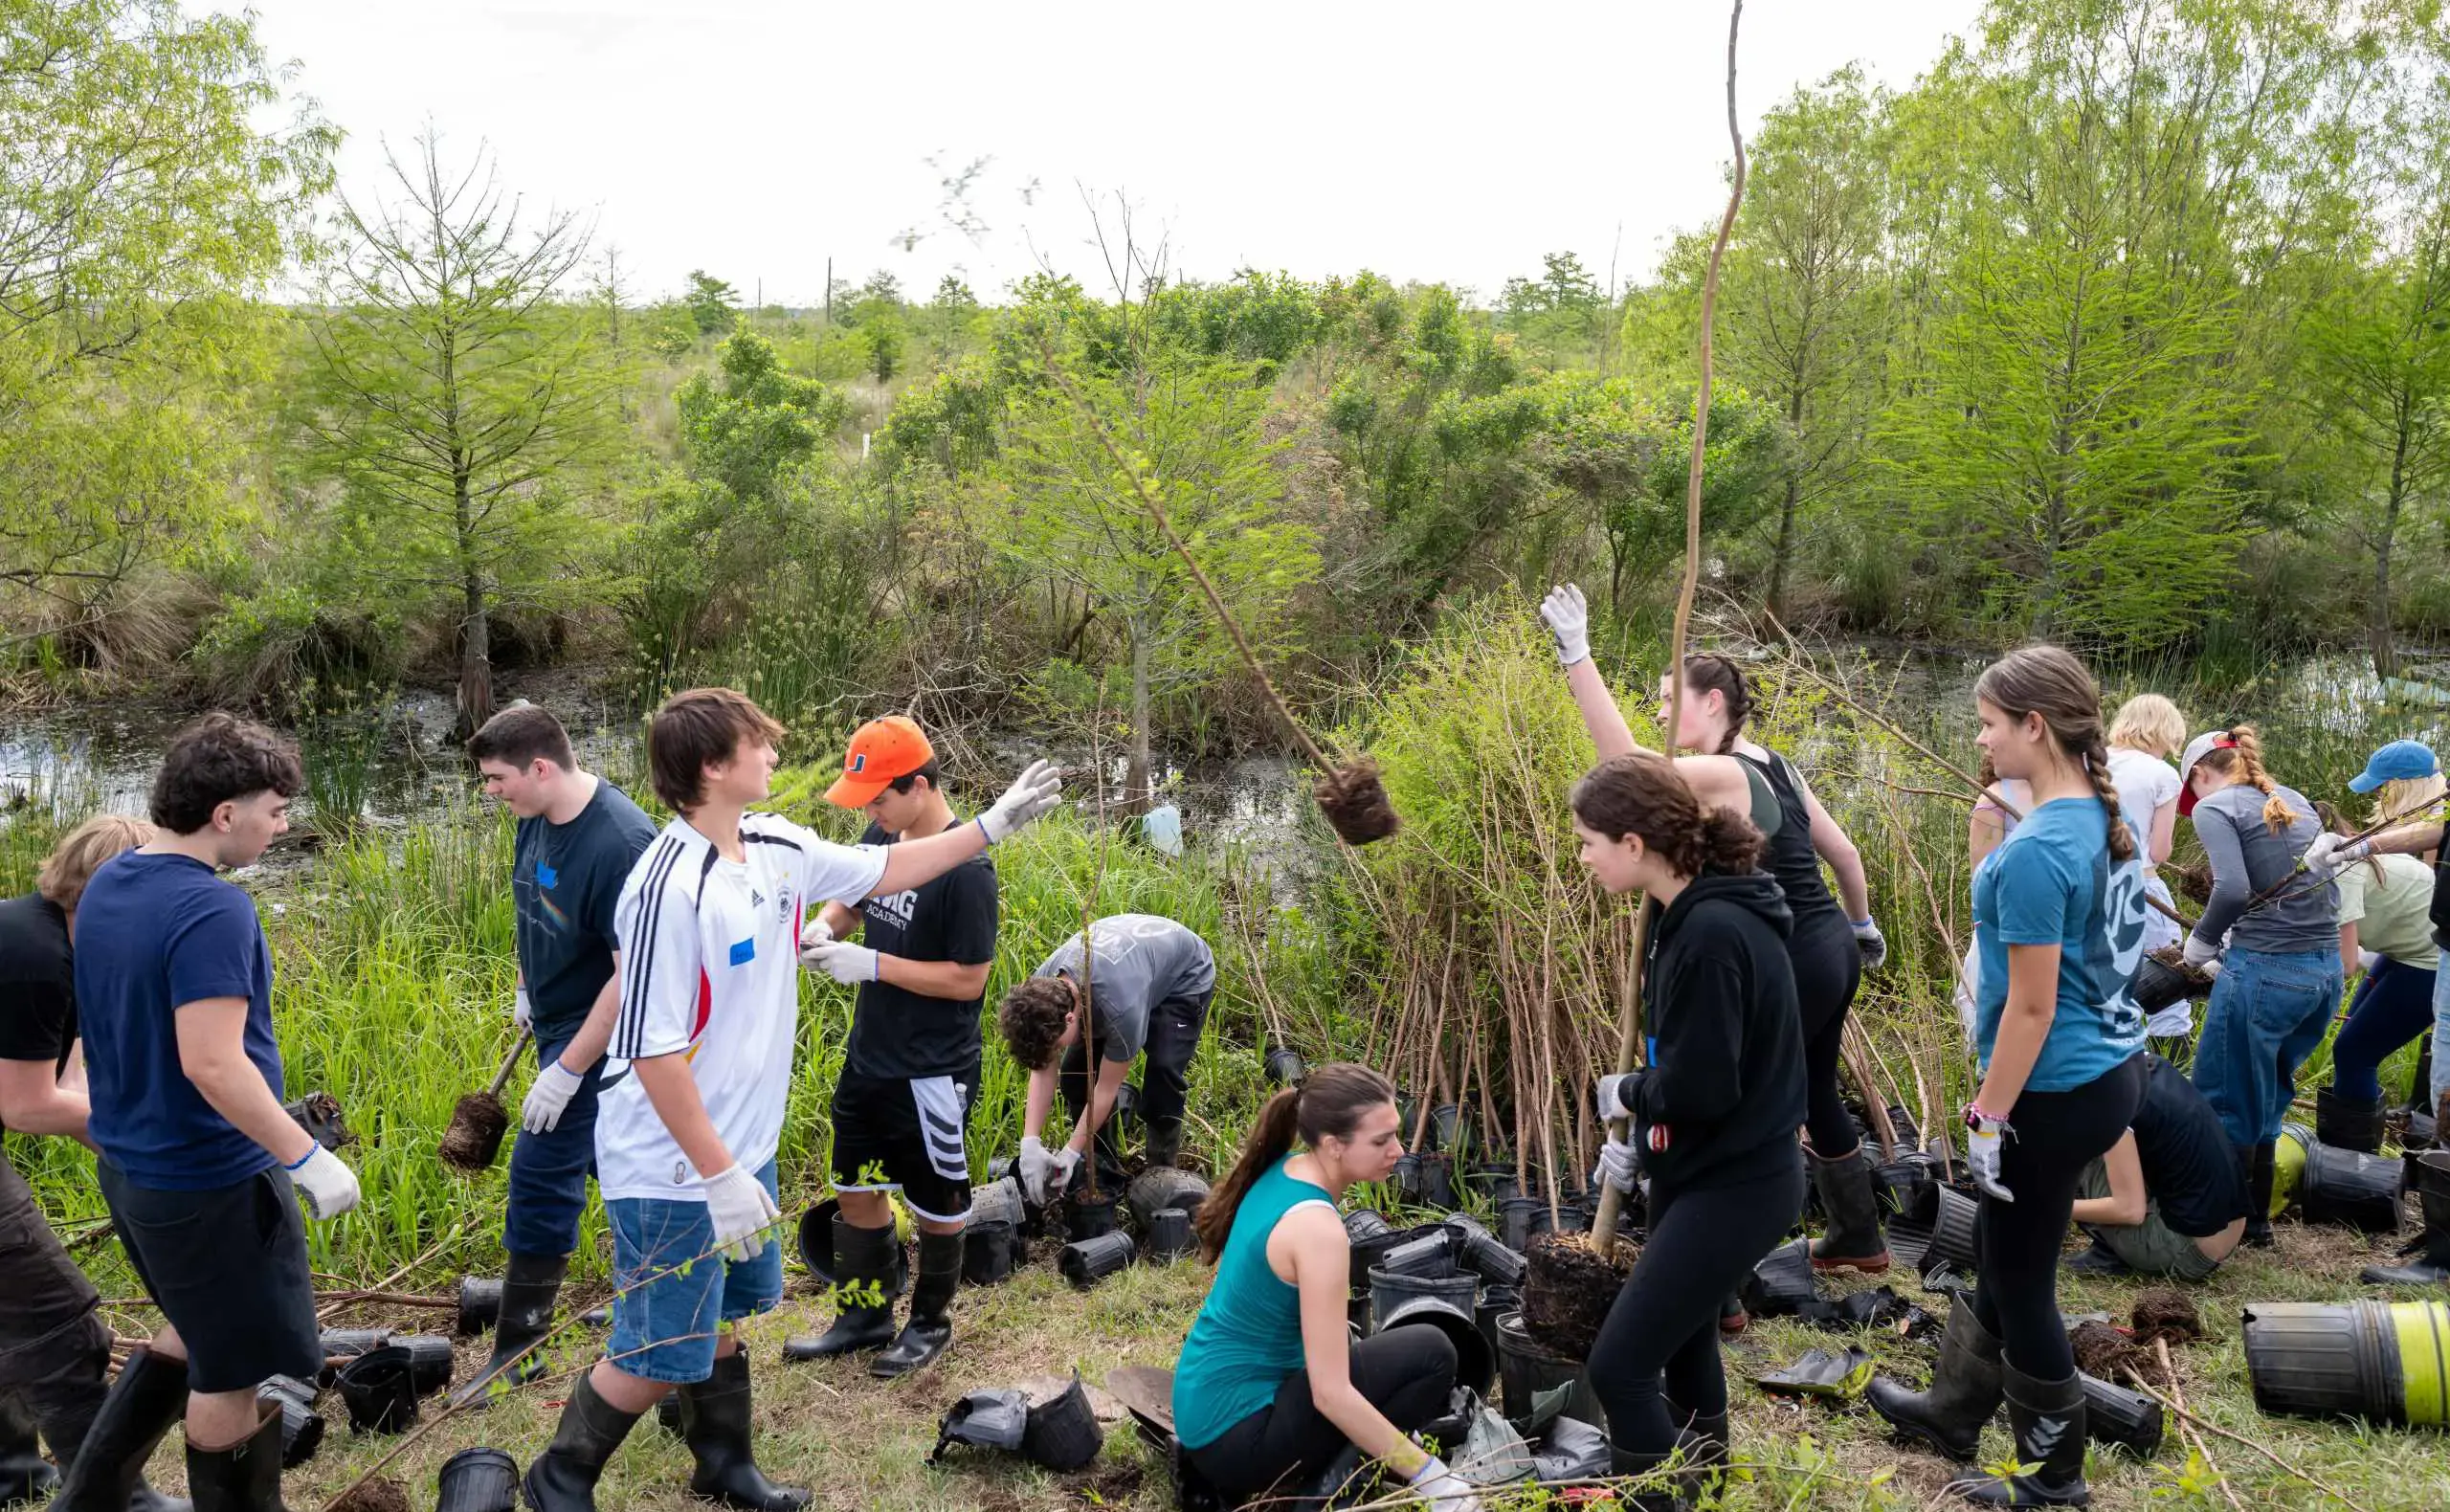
[1448,1131]
[1906,1186]
[817,1239]
[1478,1251]
[1526,1372]
[1085,1262]
[429,1360]
[2389,1361]
[2158,985]
[1063,1433]
[1170,1236]
[987,1246]
[1086,1217]
[1951,1232]
[1284,1066]
[1475,1361]
[2349,1188]
[302,1426]
[2120,1418]
[476,1479]
[1392,1290]
[379,1388]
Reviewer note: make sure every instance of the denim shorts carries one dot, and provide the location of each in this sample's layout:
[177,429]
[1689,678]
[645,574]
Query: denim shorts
[672,1298]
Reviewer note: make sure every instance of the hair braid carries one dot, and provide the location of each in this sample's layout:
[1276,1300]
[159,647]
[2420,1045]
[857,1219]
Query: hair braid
[2276,815]
[2122,840]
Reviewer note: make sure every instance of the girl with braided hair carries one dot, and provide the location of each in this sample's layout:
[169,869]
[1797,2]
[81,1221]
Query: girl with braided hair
[2059,921]
[2278,980]
[1829,949]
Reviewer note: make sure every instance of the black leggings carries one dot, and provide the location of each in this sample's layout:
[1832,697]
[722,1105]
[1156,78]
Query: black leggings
[1829,967]
[2057,1134]
[1662,1333]
[1408,1373]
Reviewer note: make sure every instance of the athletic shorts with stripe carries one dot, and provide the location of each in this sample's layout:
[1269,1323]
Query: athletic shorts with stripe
[904,1134]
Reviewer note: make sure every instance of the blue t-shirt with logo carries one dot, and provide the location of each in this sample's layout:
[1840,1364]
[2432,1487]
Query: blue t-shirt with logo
[2052,882]
[154,932]
[565,880]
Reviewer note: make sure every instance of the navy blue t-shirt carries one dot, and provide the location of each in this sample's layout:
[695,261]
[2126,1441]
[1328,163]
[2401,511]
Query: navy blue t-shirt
[566,879]
[154,932]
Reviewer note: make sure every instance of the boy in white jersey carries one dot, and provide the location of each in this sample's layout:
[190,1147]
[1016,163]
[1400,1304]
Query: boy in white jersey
[684,1147]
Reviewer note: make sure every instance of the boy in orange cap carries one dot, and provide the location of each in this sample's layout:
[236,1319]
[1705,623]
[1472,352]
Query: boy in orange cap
[913,1061]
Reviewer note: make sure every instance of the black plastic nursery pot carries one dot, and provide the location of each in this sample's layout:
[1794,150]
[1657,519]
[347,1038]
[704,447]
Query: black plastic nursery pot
[2386,1362]
[1087,1218]
[2120,1418]
[1519,1219]
[302,1426]
[988,1248]
[1170,1236]
[379,1388]
[429,1360]
[1478,1251]
[1426,1250]
[816,1238]
[1284,1066]
[1526,1372]
[478,1479]
[479,1306]
[1390,1291]
[1475,1361]
[1085,1262]
[1062,1434]
[1160,1187]
[2346,1188]
[1951,1231]
[1781,1284]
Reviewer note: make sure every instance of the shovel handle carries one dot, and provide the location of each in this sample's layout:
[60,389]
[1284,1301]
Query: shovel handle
[502,1078]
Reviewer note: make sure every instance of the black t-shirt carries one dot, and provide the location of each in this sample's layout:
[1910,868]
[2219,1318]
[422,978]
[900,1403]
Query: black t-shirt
[899,1033]
[2188,1167]
[37,981]
[566,879]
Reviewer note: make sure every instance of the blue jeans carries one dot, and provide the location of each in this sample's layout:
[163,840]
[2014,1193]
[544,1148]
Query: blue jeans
[2440,1037]
[548,1171]
[2268,1013]
[2393,1005]
[674,1294]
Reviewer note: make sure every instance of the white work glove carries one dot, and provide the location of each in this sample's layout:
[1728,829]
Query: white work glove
[848,964]
[1443,1489]
[324,1184]
[1611,1094]
[1037,789]
[2199,952]
[1983,1146]
[1871,942]
[740,1210]
[1620,1164]
[521,1012]
[2368,960]
[2332,853]
[1035,1166]
[1067,1165]
[2212,968]
[1568,619]
[547,1096]
[817,932]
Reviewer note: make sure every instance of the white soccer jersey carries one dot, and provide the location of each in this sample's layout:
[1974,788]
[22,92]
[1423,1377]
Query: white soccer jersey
[710,967]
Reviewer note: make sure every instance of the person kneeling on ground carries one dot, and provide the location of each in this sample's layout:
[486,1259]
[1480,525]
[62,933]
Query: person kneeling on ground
[685,1144]
[2166,1200]
[1271,1386]
[1148,986]
[1712,1117]
[912,1064]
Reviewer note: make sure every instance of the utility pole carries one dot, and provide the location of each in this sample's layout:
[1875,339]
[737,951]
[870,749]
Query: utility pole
[828,293]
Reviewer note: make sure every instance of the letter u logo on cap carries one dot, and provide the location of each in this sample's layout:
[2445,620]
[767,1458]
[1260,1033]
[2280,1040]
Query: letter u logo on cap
[858,762]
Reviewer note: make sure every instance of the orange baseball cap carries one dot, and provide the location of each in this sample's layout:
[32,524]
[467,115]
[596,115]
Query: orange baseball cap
[882,750]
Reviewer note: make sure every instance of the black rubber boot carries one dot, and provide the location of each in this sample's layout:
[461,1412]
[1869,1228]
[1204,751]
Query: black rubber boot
[1853,1240]
[563,1478]
[2254,1164]
[107,1467]
[1165,1142]
[2344,1124]
[931,1327]
[1965,1391]
[243,1477]
[2047,1418]
[24,1474]
[715,1421]
[1733,1320]
[1703,1440]
[2431,1247]
[865,1257]
[1668,1488]
[530,1285]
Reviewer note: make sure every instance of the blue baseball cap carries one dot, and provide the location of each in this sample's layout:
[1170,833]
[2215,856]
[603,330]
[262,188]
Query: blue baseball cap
[2397,761]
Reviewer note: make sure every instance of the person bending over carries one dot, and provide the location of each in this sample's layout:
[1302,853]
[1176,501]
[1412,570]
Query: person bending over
[1147,985]
[2166,1200]
[709,925]
[1713,1116]
[1272,1386]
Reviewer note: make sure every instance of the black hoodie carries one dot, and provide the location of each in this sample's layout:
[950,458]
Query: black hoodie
[1724,1094]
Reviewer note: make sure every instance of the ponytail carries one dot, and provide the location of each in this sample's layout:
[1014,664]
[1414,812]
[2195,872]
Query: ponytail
[2122,840]
[1730,843]
[1330,1100]
[2276,815]
[1643,794]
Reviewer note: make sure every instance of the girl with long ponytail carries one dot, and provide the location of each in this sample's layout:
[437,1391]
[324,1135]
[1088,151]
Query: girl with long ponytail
[2058,929]
[2273,936]
[1270,1388]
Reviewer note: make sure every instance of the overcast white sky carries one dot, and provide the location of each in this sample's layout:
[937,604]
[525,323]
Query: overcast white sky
[755,139]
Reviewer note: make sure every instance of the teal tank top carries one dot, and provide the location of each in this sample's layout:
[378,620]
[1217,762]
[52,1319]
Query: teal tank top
[1248,1336]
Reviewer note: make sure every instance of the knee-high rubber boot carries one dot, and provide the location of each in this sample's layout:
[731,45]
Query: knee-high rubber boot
[1853,1240]
[244,1476]
[1965,1391]
[715,1421]
[2047,1418]
[862,1258]
[24,1474]
[2343,1123]
[1165,1142]
[2431,1247]
[931,1327]
[563,1478]
[530,1285]
[1670,1484]
[107,1468]
[2253,1169]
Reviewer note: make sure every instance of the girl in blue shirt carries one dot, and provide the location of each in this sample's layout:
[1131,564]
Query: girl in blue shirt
[2058,929]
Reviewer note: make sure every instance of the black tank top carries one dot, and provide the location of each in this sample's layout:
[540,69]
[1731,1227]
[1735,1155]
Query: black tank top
[1788,855]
